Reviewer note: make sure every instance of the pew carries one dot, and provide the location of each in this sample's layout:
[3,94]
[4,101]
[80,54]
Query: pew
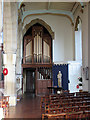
[67,106]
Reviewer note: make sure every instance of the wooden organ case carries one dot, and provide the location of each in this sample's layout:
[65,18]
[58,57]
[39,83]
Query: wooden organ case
[37,54]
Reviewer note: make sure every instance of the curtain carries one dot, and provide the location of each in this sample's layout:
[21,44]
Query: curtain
[64,70]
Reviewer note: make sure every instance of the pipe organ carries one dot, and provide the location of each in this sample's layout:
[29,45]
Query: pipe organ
[29,52]
[37,35]
[46,53]
[37,46]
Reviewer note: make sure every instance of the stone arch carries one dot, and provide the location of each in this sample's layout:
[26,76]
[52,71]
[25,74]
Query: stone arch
[40,22]
[78,19]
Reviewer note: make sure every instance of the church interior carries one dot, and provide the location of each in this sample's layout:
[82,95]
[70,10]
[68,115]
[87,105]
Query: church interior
[44,59]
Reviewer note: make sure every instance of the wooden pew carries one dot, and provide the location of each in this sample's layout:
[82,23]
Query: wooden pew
[51,116]
[66,106]
[74,115]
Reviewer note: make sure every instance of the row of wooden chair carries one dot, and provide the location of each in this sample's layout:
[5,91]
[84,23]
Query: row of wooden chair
[67,116]
[69,99]
[61,106]
[67,109]
[63,96]
[4,103]
[46,98]
[59,98]
[66,104]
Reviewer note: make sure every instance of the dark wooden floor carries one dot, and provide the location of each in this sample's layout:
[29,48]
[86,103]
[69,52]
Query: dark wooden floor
[28,107]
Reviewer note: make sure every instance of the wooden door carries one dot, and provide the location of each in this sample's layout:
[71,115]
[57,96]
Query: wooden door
[30,81]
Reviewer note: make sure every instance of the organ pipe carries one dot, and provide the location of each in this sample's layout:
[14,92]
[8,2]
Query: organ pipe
[38,43]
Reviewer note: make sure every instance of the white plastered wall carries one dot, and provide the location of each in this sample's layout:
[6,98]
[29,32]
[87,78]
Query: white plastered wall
[63,31]
[74,74]
[84,19]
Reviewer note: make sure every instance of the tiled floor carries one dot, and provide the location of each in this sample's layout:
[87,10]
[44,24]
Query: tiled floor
[28,107]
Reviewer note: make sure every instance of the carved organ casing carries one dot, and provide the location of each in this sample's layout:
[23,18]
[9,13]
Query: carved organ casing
[37,46]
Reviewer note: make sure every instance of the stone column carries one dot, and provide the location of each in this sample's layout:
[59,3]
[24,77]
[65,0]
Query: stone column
[89,45]
[19,56]
[10,49]
[1,33]
[85,46]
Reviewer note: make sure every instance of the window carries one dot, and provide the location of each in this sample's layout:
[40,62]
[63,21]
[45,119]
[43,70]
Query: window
[78,40]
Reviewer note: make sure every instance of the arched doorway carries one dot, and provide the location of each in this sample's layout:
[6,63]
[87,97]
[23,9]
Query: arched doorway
[37,59]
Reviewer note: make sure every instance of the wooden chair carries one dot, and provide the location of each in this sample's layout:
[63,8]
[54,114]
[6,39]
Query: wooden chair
[67,106]
[74,115]
[5,104]
[86,114]
[0,103]
[53,116]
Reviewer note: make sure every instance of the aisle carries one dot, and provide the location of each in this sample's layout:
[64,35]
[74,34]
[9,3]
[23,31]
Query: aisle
[28,107]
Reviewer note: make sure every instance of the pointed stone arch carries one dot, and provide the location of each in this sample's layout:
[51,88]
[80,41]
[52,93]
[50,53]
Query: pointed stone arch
[40,22]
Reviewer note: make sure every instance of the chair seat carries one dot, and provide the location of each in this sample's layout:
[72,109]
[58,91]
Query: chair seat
[4,105]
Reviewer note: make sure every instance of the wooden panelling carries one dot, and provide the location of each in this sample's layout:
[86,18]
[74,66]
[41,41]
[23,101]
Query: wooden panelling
[42,86]
[30,81]
[36,65]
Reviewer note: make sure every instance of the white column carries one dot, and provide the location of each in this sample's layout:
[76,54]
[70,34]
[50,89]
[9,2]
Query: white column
[19,55]
[10,78]
[85,47]
[1,37]
[1,113]
[89,45]
[10,49]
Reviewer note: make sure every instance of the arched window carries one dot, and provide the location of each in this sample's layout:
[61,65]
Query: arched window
[37,45]
[78,40]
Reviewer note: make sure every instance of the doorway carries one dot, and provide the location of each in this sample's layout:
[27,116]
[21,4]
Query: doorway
[30,81]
